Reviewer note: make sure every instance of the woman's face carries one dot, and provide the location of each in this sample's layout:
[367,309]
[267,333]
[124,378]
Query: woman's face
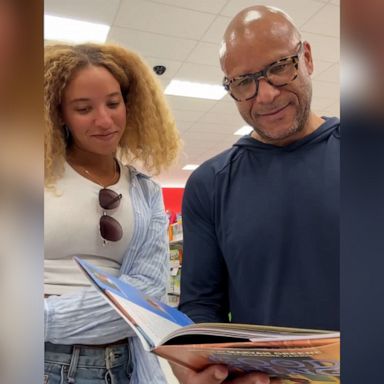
[94,111]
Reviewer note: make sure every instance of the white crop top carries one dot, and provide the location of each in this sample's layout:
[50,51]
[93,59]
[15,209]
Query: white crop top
[71,227]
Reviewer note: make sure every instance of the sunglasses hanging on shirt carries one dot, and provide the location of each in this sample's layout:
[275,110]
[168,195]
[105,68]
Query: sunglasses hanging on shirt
[110,228]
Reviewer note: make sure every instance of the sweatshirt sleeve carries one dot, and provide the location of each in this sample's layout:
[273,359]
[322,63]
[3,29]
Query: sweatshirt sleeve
[204,276]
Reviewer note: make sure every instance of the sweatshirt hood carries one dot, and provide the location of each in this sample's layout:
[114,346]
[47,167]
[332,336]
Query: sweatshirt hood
[330,126]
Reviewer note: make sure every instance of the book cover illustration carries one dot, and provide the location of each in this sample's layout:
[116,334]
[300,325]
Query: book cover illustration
[316,364]
[151,319]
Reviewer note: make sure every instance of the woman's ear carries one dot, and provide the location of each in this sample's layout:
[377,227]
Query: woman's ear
[60,117]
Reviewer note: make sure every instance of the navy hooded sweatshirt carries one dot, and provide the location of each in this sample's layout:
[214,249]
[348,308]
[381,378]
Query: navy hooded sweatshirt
[261,234]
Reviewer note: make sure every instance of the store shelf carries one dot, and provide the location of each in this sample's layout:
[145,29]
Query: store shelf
[176,243]
[175,260]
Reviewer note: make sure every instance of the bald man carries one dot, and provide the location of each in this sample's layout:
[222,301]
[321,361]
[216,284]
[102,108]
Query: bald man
[260,220]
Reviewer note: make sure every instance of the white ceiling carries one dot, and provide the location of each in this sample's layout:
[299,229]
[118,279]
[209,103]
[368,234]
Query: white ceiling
[184,35]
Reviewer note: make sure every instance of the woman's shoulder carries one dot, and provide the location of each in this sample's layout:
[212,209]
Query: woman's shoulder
[145,182]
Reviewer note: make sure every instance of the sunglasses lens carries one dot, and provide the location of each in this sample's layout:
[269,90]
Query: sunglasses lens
[109,199]
[110,229]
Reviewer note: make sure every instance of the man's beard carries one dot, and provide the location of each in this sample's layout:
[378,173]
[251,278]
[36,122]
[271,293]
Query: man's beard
[298,124]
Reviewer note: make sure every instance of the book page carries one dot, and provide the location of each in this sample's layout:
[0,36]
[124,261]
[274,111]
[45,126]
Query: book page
[253,333]
[153,327]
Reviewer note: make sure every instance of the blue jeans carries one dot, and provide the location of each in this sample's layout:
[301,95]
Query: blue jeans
[78,364]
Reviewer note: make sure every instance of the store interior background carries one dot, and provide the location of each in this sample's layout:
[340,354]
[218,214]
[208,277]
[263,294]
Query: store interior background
[184,36]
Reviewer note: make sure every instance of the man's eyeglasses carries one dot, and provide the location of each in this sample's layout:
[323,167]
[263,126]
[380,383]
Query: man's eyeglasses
[110,228]
[278,74]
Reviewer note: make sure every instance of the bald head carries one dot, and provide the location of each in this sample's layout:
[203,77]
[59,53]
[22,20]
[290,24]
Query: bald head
[258,23]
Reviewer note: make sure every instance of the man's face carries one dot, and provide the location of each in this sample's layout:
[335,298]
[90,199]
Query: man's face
[277,114]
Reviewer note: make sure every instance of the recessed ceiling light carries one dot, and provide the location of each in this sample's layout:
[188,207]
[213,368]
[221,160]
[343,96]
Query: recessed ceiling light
[74,31]
[245,130]
[198,90]
[190,167]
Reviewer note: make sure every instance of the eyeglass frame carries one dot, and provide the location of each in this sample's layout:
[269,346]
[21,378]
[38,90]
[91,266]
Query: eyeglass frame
[256,76]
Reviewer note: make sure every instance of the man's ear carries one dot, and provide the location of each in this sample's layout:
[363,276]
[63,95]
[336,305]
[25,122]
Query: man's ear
[307,52]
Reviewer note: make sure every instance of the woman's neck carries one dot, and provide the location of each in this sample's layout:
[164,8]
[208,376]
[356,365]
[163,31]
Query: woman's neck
[101,169]
[102,164]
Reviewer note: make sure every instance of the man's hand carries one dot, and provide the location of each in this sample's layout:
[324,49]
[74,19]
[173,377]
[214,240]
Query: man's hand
[217,374]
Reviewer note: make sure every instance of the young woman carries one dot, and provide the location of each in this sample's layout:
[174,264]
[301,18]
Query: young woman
[103,106]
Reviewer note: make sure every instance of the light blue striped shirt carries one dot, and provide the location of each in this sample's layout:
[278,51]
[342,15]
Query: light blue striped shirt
[84,317]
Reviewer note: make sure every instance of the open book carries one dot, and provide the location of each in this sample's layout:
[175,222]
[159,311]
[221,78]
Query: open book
[296,355]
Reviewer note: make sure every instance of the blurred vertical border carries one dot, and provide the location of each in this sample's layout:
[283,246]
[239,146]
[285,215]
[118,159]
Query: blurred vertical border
[21,191]
[362,191]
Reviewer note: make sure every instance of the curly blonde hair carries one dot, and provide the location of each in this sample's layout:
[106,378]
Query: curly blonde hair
[150,135]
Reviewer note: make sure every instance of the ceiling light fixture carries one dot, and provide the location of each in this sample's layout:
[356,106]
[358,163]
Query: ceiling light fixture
[190,167]
[74,31]
[198,90]
[245,130]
